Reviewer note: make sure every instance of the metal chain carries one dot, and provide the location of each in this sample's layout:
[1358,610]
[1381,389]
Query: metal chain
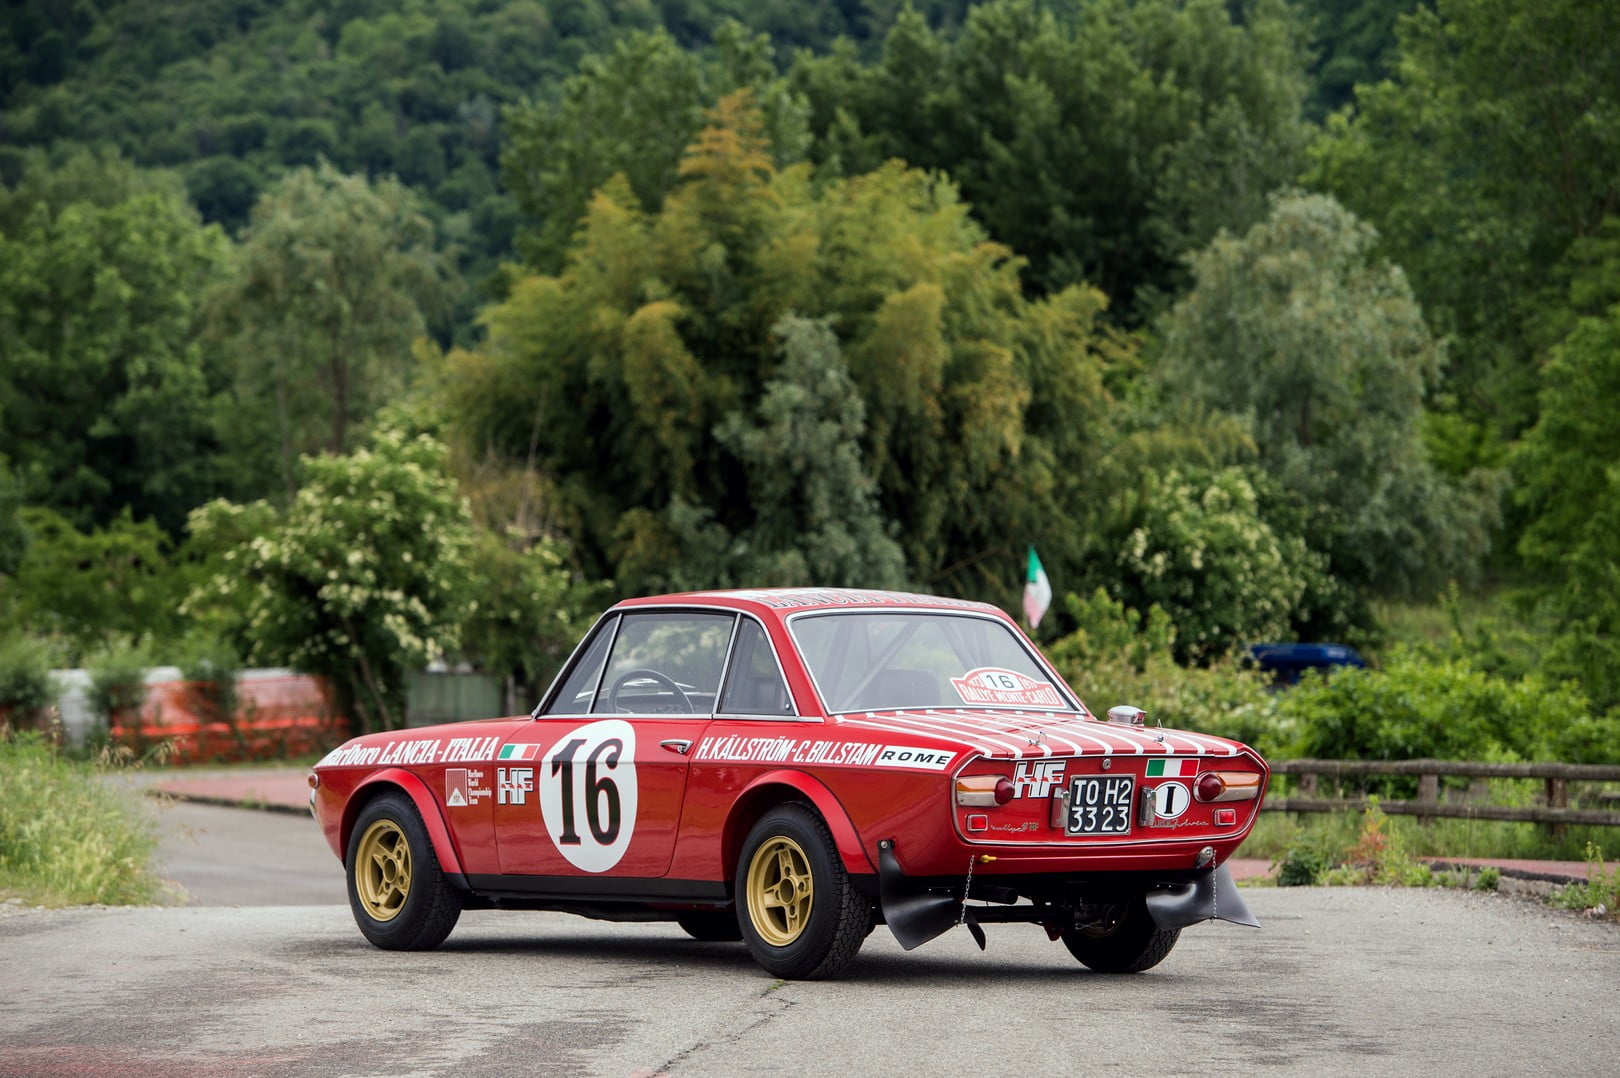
[967,888]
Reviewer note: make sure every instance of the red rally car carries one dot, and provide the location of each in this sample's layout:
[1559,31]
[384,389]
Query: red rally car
[790,768]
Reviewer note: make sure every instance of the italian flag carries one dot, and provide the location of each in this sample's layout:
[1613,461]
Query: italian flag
[517,752]
[1172,769]
[1037,591]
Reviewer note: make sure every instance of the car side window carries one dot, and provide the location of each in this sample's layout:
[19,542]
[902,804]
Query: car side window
[665,661]
[754,685]
[576,694]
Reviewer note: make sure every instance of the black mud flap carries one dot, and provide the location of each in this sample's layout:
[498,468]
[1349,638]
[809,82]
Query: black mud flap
[915,916]
[1212,896]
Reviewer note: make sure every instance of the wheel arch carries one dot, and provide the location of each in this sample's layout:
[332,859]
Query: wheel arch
[780,787]
[395,780]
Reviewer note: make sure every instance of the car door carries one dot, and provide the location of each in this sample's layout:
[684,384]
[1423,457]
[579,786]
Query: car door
[594,785]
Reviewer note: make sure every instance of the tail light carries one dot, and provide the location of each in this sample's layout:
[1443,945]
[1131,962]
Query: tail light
[984,790]
[1227,786]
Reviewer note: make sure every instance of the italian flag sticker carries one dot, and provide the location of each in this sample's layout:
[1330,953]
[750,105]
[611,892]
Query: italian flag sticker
[517,752]
[1172,769]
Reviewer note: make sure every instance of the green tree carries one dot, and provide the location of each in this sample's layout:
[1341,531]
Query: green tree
[106,397]
[1354,44]
[816,514]
[1101,143]
[89,588]
[632,110]
[362,579]
[1569,487]
[14,537]
[331,284]
[1297,328]
[1201,552]
[1493,148]
[528,611]
[983,412]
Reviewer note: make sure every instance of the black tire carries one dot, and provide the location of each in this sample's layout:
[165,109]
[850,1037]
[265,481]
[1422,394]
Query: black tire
[805,921]
[399,894]
[710,926]
[1129,942]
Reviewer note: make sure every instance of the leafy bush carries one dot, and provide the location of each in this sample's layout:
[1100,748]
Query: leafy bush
[90,587]
[210,666]
[1381,855]
[1200,550]
[118,681]
[364,577]
[1443,708]
[1302,865]
[25,679]
[68,836]
[529,609]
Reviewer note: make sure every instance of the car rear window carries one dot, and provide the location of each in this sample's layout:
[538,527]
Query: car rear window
[891,659]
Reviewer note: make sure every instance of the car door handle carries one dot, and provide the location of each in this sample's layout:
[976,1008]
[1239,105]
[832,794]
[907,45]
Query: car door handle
[676,744]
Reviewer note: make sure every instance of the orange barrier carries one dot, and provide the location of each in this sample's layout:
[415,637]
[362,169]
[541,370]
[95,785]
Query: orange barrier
[274,718]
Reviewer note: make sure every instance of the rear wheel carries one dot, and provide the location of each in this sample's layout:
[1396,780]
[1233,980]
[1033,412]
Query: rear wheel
[399,895]
[1121,938]
[799,913]
[711,926]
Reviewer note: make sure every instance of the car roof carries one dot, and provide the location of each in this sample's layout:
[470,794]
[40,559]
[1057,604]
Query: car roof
[780,601]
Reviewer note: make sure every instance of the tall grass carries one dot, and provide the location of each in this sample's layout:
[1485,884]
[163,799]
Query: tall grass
[1275,833]
[67,835]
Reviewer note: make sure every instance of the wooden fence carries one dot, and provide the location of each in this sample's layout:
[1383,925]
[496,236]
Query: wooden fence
[1555,808]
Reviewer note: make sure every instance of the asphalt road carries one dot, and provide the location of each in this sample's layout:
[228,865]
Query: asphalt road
[1339,981]
[231,856]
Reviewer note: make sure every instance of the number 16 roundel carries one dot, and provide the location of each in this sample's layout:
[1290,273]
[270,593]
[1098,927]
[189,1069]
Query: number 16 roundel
[588,793]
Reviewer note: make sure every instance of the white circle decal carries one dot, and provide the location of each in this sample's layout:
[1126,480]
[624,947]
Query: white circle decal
[1170,799]
[588,793]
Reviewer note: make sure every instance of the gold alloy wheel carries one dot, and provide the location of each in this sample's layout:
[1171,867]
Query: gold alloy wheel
[382,870]
[781,891]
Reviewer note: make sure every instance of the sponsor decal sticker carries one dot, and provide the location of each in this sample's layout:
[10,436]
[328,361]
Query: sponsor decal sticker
[784,750]
[1172,769]
[464,786]
[906,756]
[410,753]
[351,756]
[513,785]
[797,600]
[1035,778]
[788,750]
[588,793]
[1006,688]
[462,750]
[1170,799]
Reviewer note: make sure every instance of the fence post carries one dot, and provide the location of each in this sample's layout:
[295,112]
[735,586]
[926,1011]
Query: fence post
[1558,797]
[1428,794]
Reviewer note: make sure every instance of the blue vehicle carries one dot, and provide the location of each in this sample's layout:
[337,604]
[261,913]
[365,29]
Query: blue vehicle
[1286,662]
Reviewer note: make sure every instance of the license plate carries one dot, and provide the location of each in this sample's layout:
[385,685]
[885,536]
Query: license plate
[1100,805]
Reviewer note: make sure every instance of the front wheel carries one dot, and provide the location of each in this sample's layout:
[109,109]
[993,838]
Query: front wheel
[800,915]
[399,895]
[1123,938]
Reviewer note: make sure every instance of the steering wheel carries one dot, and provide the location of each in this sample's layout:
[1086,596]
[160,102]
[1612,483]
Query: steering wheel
[664,683]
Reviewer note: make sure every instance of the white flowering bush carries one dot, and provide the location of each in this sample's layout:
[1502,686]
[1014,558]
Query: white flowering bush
[364,578]
[1200,550]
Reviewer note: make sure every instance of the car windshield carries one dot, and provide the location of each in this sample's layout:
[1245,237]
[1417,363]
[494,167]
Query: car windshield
[891,659]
